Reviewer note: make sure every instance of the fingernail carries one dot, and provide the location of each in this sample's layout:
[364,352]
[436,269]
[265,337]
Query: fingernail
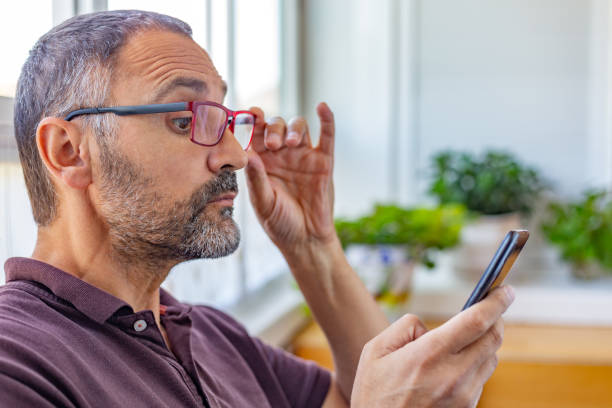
[293,136]
[274,137]
[510,293]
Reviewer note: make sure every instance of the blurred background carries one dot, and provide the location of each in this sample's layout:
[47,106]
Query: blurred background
[456,121]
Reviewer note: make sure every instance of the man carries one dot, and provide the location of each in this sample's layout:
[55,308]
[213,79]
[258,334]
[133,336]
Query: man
[130,160]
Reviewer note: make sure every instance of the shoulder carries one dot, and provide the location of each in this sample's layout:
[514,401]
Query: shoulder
[29,352]
[19,309]
[27,323]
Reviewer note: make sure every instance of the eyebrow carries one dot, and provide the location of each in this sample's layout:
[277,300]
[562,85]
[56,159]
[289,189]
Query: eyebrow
[194,84]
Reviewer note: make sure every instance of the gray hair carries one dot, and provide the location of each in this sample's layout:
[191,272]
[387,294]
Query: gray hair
[70,67]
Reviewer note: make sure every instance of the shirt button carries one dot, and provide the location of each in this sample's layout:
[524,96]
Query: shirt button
[140,325]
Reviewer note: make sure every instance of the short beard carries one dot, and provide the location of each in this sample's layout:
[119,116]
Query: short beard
[145,231]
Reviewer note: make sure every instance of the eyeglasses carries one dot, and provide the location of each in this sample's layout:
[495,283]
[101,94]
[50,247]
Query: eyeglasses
[206,120]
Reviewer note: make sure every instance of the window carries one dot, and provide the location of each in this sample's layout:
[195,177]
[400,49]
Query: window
[17,228]
[247,54]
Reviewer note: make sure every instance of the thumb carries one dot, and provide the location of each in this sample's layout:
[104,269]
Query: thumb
[403,331]
[328,129]
[260,190]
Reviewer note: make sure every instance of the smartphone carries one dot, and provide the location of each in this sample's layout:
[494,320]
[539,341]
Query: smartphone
[500,265]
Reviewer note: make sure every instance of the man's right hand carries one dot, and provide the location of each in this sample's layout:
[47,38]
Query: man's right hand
[406,366]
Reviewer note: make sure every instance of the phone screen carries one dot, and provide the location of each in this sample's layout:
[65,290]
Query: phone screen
[500,265]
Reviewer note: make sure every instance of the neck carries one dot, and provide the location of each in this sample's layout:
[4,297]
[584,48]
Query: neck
[87,254]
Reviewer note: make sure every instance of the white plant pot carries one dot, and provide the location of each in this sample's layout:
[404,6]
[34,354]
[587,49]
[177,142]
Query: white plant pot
[380,264]
[479,241]
[590,271]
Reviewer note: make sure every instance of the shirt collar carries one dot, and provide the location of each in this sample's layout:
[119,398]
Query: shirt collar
[93,302]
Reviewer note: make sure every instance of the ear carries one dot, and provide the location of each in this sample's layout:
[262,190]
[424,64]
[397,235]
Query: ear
[64,150]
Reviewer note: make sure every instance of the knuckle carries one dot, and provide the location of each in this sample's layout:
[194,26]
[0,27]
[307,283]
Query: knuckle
[429,359]
[466,399]
[494,361]
[369,347]
[297,121]
[411,320]
[276,121]
[479,322]
[452,388]
[497,337]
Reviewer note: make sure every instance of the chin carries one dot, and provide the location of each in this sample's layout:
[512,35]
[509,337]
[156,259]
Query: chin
[216,238]
[227,212]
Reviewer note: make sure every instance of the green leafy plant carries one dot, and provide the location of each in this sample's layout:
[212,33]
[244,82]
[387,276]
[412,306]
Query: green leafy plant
[496,183]
[582,230]
[420,230]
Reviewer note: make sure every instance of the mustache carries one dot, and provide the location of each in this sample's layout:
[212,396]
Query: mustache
[224,183]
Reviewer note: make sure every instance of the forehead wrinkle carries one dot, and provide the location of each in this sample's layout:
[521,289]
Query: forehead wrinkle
[155,58]
[164,69]
[143,50]
[160,41]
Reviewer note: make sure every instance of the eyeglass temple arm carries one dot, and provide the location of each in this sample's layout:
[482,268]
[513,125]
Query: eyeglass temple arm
[132,110]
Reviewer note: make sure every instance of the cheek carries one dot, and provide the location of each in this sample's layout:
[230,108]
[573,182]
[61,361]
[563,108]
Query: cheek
[176,165]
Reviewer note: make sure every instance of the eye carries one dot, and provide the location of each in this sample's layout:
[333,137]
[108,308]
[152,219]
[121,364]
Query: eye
[181,124]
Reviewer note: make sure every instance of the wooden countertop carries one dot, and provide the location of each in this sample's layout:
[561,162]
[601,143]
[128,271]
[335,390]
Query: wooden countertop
[540,366]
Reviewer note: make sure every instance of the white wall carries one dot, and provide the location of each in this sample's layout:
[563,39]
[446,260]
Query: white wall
[599,142]
[511,74]
[529,76]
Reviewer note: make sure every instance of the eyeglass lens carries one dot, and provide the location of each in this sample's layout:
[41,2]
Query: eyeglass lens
[211,121]
[243,128]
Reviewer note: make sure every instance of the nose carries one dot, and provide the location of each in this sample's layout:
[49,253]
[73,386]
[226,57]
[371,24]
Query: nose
[227,154]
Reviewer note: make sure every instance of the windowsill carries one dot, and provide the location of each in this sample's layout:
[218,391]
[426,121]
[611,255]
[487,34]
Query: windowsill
[273,313]
[550,296]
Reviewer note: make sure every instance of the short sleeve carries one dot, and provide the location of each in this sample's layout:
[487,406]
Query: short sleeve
[17,394]
[305,383]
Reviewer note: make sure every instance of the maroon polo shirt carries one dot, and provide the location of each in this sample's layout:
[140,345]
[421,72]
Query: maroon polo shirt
[65,343]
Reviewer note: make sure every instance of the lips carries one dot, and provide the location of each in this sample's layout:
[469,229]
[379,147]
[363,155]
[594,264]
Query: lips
[224,197]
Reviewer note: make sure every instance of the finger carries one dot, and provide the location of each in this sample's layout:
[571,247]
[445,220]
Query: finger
[297,133]
[326,117]
[476,397]
[486,346]
[274,137]
[472,323]
[258,183]
[257,143]
[486,370]
[482,375]
[403,331]
[472,382]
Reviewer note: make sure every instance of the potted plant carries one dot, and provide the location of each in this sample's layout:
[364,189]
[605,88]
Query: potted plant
[582,230]
[496,188]
[399,239]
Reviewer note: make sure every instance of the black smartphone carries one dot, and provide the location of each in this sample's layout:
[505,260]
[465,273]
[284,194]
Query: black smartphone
[500,265]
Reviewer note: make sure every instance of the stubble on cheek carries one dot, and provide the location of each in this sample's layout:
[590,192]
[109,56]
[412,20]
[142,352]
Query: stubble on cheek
[147,227]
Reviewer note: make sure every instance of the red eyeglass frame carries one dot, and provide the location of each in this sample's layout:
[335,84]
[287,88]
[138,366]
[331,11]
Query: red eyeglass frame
[171,107]
[229,120]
